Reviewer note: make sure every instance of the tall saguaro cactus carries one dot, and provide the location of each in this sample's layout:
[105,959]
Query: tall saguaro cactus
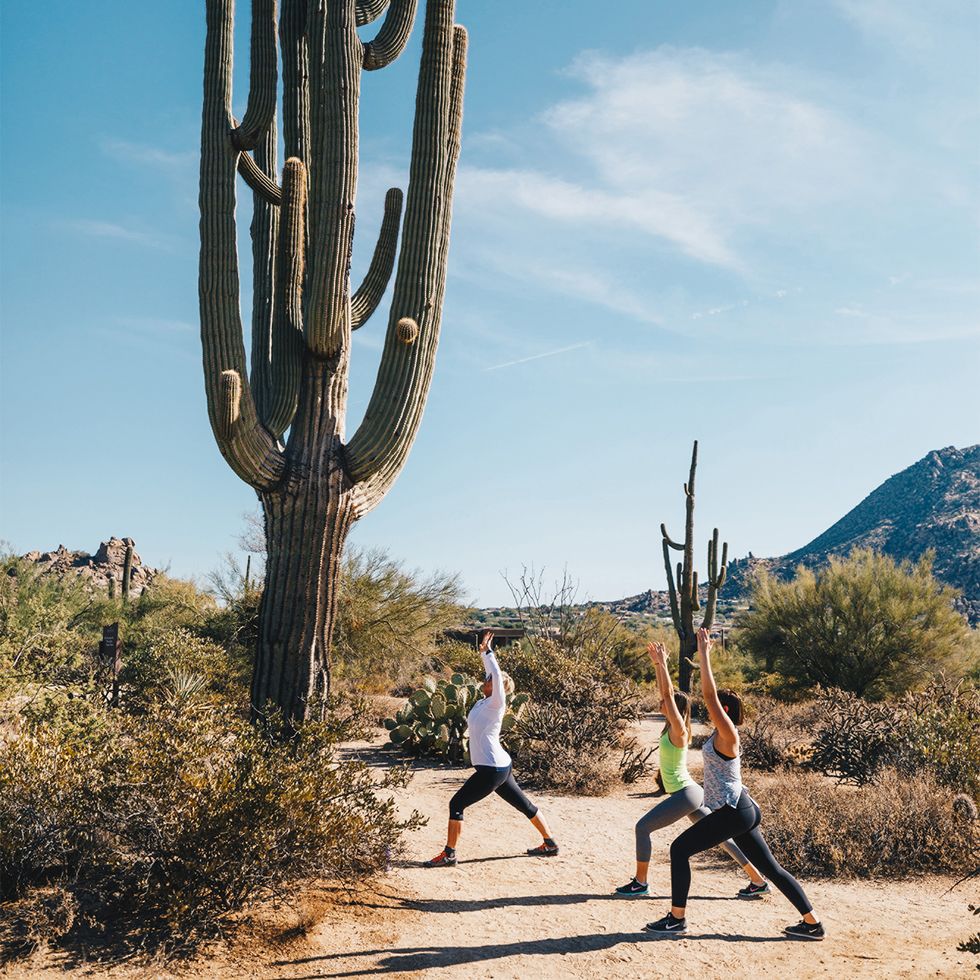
[315,483]
[683,590]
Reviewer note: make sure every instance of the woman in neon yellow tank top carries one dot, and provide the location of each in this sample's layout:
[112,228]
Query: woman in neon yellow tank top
[686,797]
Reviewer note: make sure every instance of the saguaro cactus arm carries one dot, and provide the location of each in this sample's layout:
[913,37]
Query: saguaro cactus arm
[675,613]
[716,577]
[260,182]
[250,450]
[393,36]
[365,301]
[379,448]
[335,76]
[261,108]
[264,233]
[370,10]
[286,358]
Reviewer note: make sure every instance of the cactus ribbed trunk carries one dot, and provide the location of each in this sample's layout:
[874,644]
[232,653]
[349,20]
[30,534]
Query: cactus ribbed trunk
[306,524]
[315,486]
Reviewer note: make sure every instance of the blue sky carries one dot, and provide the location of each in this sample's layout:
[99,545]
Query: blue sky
[754,224]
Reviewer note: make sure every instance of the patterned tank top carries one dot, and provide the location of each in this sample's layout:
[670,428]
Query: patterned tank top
[722,777]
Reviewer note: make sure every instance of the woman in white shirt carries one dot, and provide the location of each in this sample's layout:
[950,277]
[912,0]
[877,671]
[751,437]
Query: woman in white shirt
[492,763]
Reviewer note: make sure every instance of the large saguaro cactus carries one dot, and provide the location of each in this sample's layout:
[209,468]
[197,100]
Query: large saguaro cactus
[683,591]
[314,484]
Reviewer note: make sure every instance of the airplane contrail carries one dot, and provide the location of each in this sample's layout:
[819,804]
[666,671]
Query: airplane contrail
[537,357]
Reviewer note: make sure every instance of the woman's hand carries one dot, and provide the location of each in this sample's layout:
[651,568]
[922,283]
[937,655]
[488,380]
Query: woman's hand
[704,642]
[657,653]
[485,639]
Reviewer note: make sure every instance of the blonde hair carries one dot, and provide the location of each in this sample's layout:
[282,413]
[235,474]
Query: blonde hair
[508,682]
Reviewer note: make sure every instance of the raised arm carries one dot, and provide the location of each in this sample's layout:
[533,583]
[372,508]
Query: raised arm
[678,730]
[498,697]
[727,739]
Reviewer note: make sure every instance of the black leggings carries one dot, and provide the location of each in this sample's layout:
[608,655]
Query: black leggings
[740,823]
[482,783]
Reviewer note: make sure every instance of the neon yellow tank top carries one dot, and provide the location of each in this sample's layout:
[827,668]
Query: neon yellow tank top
[673,765]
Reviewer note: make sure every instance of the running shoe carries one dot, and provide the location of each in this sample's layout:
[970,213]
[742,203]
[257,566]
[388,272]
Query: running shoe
[632,889]
[667,926]
[805,930]
[543,850]
[441,860]
[752,890]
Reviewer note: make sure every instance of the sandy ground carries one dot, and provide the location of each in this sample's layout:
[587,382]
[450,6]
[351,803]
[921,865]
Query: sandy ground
[501,914]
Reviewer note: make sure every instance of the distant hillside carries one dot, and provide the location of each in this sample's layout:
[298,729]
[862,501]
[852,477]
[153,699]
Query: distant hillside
[935,503]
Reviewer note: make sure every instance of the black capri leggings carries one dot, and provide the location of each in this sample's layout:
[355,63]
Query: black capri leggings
[740,823]
[482,783]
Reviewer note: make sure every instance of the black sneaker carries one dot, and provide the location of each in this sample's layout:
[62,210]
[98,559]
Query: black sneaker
[667,926]
[752,890]
[632,889]
[805,930]
[543,850]
[441,860]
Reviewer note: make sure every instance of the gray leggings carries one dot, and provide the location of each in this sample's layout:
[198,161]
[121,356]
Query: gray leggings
[687,802]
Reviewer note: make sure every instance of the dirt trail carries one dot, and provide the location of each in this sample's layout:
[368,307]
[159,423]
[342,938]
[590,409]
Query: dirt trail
[501,914]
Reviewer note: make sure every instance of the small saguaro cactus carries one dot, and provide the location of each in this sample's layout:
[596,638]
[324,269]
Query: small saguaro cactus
[683,591]
[127,576]
[279,421]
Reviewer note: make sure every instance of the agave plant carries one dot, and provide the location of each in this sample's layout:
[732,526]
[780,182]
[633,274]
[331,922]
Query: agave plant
[433,719]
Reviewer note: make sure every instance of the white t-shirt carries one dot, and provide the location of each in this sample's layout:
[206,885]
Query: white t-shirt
[484,720]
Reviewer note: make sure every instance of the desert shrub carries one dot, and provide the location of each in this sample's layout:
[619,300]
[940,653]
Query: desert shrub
[566,741]
[172,659]
[635,762]
[900,825]
[389,619]
[942,725]
[158,827]
[936,729]
[863,624]
[48,626]
[777,734]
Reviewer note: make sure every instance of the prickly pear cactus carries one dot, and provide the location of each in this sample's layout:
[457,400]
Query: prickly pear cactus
[432,722]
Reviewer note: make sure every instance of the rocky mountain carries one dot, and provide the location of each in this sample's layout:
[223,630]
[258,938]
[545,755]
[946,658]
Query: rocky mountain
[935,503]
[101,569]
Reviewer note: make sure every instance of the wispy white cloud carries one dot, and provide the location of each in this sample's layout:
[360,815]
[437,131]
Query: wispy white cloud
[716,310]
[646,209]
[153,156]
[153,324]
[538,357]
[116,232]
[911,28]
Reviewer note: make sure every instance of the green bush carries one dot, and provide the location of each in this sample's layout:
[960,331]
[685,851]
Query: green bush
[158,827]
[567,740]
[936,729]
[389,620]
[863,624]
[900,825]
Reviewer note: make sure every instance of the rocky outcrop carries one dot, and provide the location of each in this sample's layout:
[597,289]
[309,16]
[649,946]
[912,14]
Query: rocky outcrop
[103,570]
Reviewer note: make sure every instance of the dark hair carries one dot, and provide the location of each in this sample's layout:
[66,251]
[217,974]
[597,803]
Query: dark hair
[732,704]
[683,703]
